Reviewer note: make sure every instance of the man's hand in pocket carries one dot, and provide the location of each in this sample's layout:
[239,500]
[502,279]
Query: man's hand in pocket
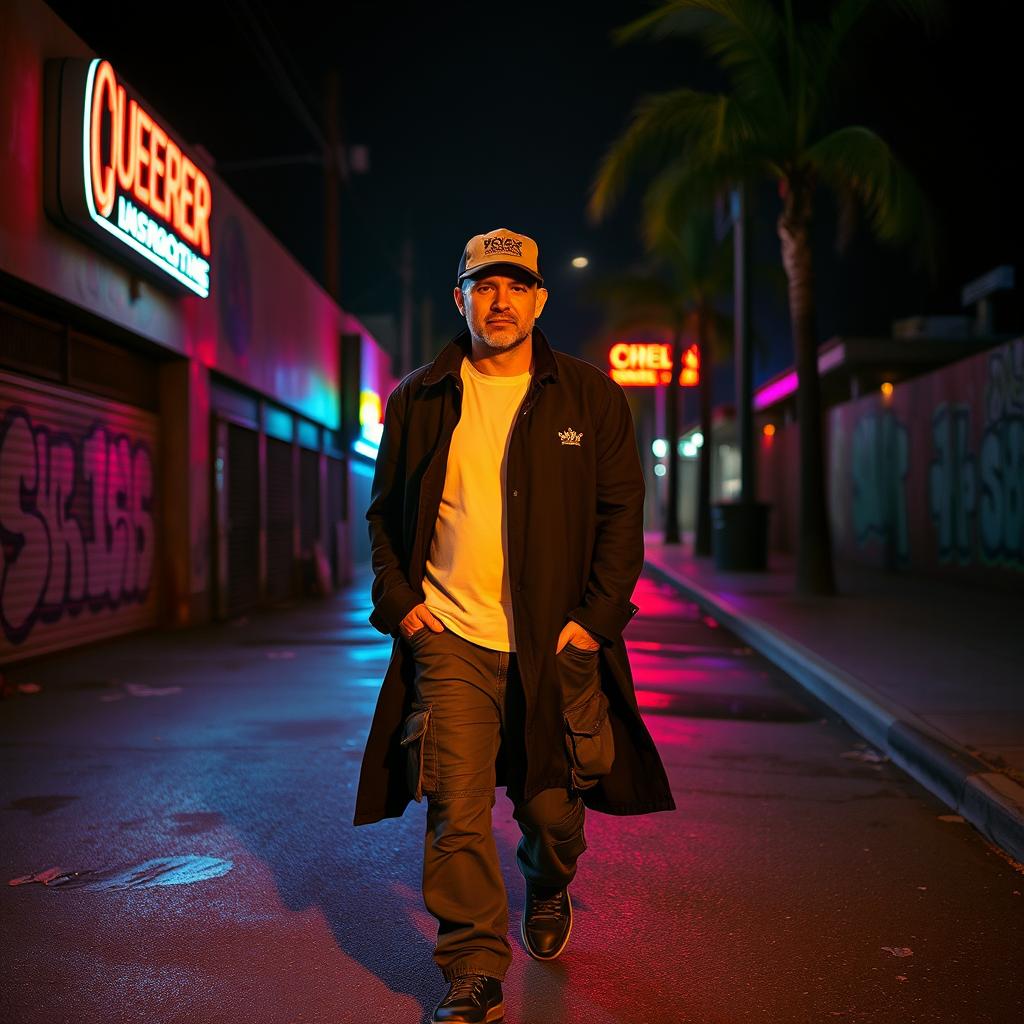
[573,631]
[419,617]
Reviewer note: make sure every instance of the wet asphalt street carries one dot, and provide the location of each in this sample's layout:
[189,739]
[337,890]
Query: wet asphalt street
[193,793]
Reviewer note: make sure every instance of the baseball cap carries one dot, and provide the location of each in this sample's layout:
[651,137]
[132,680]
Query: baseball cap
[497,247]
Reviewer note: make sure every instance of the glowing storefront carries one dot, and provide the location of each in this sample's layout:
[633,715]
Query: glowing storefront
[174,426]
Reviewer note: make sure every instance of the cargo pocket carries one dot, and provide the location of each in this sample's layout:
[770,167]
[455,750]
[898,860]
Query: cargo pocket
[588,737]
[568,840]
[415,738]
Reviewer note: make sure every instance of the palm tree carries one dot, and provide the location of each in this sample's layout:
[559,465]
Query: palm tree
[774,121]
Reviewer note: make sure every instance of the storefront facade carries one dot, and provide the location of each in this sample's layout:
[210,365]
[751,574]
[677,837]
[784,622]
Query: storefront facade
[172,438]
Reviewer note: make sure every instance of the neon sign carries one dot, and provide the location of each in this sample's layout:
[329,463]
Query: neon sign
[640,364]
[689,376]
[116,175]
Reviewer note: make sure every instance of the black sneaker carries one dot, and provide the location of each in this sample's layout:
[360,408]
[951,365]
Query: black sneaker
[471,999]
[547,922]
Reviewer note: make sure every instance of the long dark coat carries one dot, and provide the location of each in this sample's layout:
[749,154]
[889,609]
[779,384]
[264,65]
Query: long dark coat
[574,496]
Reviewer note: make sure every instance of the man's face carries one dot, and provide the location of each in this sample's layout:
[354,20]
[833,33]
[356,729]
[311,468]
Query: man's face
[500,308]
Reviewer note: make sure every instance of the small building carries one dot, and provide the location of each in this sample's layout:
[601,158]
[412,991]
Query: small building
[179,398]
[924,448]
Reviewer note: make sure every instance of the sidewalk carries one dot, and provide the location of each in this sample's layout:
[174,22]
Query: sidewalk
[929,672]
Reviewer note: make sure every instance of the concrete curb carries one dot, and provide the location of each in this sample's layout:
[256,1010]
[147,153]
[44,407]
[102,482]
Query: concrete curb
[993,803]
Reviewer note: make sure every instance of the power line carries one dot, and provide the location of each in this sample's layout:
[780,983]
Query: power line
[266,51]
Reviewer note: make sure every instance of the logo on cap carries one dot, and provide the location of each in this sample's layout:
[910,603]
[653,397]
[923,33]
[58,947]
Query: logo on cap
[496,247]
[505,246]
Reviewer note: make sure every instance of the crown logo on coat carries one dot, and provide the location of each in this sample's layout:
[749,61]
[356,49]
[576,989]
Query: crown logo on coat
[570,436]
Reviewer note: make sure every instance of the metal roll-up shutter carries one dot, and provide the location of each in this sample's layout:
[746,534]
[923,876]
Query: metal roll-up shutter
[280,520]
[79,517]
[243,535]
[309,500]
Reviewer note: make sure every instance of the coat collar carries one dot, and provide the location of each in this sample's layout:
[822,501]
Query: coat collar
[449,360]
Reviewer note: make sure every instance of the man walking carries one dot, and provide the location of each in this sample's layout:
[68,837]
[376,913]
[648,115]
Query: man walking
[506,527]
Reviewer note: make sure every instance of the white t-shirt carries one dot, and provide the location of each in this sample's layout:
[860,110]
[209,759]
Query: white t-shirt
[466,579]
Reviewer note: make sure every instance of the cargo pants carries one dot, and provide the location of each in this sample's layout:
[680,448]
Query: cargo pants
[468,702]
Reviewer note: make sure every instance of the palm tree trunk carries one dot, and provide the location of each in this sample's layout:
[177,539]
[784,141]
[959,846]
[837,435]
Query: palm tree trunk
[815,574]
[672,437]
[702,541]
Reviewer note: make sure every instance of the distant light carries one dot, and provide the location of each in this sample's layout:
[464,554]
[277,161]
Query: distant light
[886,389]
[369,407]
[697,439]
[580,262]
[358,159]
[768,430]
[659,469]
[659,446]
[364,448]
[689,450]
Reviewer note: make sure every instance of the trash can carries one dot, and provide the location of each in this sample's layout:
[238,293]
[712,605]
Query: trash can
[739,535]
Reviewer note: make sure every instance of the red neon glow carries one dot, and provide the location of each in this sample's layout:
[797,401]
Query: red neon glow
[689,376]
[650,363]
[102,176]
[635,355]
[146,162]
[651,700]
[640,364]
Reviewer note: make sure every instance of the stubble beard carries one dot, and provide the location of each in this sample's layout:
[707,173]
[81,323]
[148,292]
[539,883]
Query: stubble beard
[495,343]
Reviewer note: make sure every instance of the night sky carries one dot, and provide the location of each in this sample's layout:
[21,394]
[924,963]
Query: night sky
[482,116]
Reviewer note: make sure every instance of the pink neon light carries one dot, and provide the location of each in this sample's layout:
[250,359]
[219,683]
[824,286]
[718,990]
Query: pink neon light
[775,391]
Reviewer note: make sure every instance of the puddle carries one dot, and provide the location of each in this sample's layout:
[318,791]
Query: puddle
[738,707]
[372,652]
[353,638]
[191,823]
[37,805]
[184,870]
[662,649]
[297,729]
[140,690]
[866,755]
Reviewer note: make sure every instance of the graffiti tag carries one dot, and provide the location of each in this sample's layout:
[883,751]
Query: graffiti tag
[76,522]
[986,490]
[879,468]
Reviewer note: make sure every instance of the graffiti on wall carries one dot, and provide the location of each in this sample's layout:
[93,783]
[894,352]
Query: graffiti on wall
[1001,461]
[952,484]
[76,522]
[880,459]
[976,496]
[934,474]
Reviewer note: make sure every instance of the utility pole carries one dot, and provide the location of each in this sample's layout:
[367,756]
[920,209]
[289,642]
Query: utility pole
[332,185]
[744,357]
[740,528]
[672,438]
[405,327]
[426,329]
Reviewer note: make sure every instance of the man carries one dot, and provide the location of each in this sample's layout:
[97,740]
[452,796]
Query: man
[506,527]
